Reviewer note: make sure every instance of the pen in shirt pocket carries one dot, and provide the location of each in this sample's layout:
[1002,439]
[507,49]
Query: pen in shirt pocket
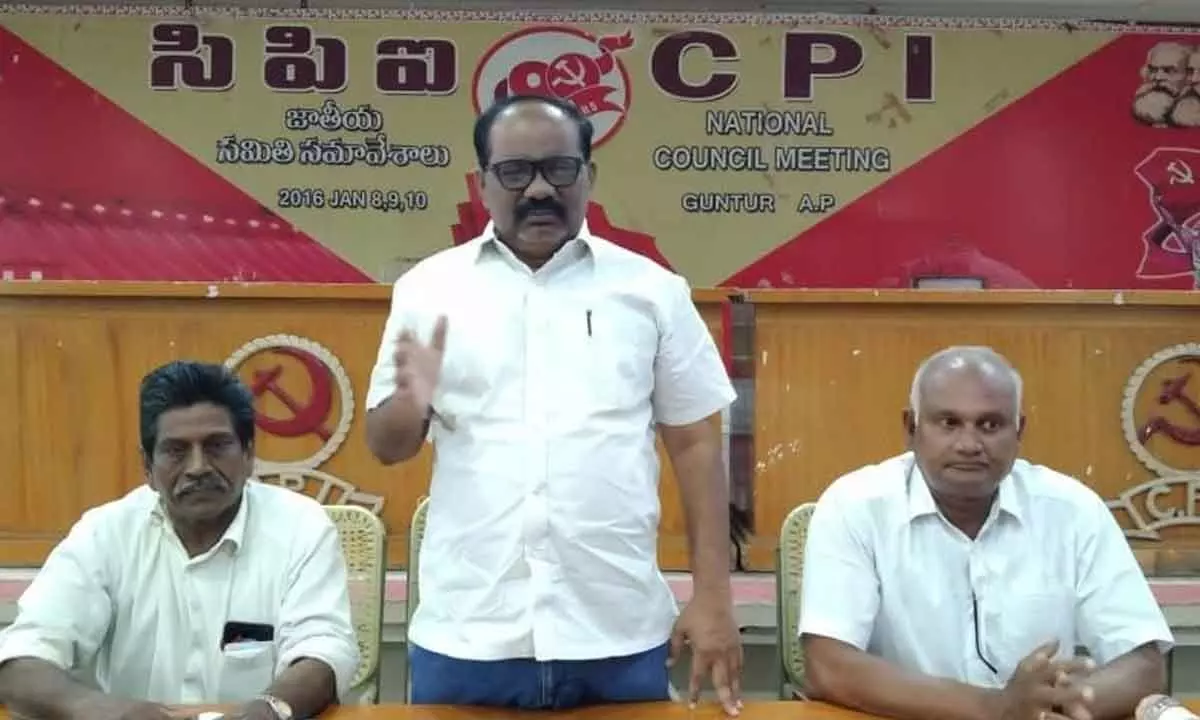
[588,315]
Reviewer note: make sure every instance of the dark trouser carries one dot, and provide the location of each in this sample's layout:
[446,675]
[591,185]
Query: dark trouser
[533,685]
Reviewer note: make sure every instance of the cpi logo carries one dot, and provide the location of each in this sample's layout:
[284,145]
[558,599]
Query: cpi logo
[561,62]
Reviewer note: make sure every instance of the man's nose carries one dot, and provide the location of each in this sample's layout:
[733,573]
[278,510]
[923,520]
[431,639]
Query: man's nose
[967,442]
[197,463]
[539,188]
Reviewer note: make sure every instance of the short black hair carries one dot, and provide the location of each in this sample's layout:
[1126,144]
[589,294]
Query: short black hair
[184,383]
[486,119]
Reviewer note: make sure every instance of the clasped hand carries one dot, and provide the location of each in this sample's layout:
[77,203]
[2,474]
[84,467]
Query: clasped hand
[1043,688]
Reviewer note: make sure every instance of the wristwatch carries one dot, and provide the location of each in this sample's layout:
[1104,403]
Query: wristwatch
[283,711]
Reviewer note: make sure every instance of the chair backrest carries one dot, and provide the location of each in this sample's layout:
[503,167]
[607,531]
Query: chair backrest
[416,534]
[412,594]
[789,575]
[364,545]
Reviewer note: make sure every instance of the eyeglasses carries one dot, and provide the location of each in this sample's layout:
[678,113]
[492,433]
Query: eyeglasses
[560,171]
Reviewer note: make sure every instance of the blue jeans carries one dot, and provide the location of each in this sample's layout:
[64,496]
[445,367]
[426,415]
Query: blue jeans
[531,685]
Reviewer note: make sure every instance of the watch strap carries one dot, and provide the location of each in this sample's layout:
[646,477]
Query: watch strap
[282,710]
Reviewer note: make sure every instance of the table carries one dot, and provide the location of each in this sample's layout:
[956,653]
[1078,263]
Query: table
[765,710]
[777,710]
[768,710]
[633,711]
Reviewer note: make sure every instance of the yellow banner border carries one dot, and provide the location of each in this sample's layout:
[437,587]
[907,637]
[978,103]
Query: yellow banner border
[607,17]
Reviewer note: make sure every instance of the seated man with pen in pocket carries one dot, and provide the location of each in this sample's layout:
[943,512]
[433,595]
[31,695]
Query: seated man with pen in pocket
[200,587]
[956,580]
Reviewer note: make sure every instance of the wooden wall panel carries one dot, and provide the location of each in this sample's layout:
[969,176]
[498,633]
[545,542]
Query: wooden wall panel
[833,372]
[72,355]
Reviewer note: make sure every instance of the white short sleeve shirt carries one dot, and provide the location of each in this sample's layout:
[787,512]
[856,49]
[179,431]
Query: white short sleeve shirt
[120,605]
[542,529]
[886,573]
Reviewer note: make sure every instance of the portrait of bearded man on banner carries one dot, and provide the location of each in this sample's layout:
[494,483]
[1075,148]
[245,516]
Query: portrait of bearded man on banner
[1170,91]
[1186,112]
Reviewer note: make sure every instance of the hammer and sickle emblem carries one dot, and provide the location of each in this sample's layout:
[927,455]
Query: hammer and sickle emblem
[306,418]
[572,74]
[1181,173]
[1173,393]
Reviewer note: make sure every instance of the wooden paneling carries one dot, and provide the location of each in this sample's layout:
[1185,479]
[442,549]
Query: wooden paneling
[833,371]
[72,355]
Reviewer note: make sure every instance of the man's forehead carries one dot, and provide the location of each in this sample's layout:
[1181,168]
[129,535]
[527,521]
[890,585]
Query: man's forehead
[534,134]
[196,420]
[966,392]
[1169,54]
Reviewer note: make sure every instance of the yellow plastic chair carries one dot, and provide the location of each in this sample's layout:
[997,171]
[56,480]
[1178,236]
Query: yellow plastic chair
[364,545]
[412,595]
[789,576]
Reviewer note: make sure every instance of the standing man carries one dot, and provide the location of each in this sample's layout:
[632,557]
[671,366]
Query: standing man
[955,581]
[538,359]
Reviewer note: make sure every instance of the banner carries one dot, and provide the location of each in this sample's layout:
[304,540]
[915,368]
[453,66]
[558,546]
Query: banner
[742,150]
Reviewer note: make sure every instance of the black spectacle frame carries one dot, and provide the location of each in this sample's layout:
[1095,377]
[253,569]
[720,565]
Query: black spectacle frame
[560,171]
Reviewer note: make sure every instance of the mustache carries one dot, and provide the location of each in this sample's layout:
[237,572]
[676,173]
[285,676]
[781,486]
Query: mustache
[207,482]
[540,205]
[1157,88]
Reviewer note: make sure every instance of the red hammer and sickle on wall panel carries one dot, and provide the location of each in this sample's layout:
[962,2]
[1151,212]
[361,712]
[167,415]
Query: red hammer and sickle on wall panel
[306,418]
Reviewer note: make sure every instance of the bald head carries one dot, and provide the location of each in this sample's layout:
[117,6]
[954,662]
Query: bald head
[964,425]
[1168,53]
[535,108]
[983,362]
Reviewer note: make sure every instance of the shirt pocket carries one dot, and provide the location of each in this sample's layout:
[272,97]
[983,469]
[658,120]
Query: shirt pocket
[247,670]
[608,357]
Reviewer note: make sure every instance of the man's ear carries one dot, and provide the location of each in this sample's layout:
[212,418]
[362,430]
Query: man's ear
[481,176]
[592,170]
[910,426]
[1020,426]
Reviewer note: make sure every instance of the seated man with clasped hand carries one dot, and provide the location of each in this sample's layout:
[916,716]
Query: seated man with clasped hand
[955,581]
[201,587]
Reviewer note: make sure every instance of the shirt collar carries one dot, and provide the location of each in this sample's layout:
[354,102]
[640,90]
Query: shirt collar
[920,500]
[234,534]
[584,239]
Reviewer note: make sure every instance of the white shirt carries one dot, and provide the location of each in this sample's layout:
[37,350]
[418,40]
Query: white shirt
[885,572]
[543,516]
[120,606]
